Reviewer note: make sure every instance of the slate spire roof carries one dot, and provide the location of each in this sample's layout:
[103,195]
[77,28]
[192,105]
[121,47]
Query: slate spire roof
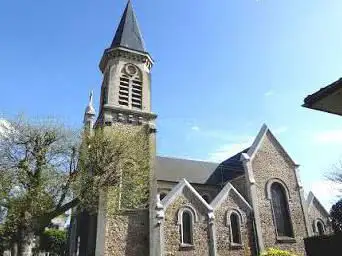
[128,34]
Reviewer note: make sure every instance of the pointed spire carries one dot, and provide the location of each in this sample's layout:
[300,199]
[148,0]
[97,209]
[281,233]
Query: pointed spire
[128,34]
[89,114]
[90,110]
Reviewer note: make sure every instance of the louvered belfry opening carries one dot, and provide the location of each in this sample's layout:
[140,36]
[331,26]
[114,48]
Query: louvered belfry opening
[130,90]
[136,94]
[124,90]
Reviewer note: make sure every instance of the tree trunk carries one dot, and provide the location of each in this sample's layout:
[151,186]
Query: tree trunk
[14,249]
[26,243]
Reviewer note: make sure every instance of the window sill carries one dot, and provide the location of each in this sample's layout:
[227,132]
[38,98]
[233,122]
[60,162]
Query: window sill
[286,239]
[186,246]
[236,246]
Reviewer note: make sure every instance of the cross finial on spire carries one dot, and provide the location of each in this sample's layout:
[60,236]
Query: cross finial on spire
[90,110]
[91,96]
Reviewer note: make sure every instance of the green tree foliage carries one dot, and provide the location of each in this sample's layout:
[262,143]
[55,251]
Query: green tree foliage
[53,241]
[44,171]
[37,163]
[336,216]
[277,252]
[115,160]
[4,245]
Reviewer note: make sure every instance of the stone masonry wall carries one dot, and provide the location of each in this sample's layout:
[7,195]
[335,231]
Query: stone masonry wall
[223,238]
[271,162]
[127,234]
[172,239]
[126,231]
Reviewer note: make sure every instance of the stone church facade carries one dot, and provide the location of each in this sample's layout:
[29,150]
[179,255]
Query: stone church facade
[251,201]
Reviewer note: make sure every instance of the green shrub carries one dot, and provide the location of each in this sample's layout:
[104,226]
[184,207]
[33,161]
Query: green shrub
[336,217]
[276,252]
[53,241]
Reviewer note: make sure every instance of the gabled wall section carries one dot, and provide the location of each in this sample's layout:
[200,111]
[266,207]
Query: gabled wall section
[317,212]
[267,162]
[183,196]
[229,201]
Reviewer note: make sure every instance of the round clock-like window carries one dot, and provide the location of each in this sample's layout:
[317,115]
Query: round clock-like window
[131,69]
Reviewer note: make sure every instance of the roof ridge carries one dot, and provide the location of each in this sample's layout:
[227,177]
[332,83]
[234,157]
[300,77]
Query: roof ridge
[187,159]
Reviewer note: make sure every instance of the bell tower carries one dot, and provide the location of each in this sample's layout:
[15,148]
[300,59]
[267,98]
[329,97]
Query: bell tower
[126,67]
[125,106]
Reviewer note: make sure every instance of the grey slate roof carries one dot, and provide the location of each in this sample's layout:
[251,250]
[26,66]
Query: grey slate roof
[128,34]
[228,169]
[175,169]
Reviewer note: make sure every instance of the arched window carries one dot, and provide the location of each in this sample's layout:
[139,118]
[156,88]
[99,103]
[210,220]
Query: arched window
[130,89]
[235,228]
[320,228]
[280,209]
[187,216]
[186,227]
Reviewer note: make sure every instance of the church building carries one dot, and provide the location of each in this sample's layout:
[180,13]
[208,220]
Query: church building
[252,201]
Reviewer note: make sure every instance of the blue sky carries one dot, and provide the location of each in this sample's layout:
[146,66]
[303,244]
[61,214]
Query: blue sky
[222,69]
